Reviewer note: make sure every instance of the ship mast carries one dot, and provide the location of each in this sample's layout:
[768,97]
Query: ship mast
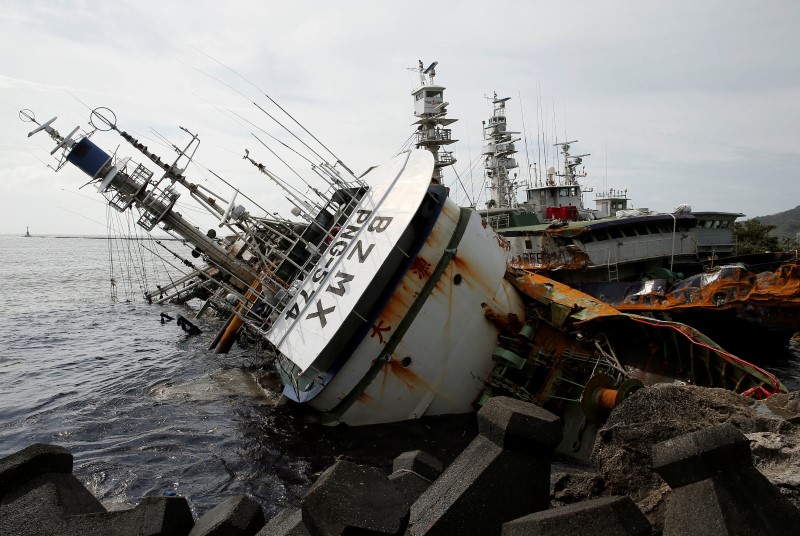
[431,109]
[499,158]
[571,175]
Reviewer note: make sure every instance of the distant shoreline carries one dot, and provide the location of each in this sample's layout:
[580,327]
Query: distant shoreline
[91,237]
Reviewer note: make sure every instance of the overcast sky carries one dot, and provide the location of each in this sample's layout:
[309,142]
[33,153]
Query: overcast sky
[679,102]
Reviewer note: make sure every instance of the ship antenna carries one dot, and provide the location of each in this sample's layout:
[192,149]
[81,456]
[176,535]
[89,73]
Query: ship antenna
[539,133]
[290,167]
[253,103]
[525,136]
[288,130]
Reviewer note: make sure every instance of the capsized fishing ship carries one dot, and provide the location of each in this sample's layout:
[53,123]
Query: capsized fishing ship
[375,304]
[384,300]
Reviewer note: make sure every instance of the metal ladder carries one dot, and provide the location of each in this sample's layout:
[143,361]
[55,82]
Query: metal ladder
[613,268]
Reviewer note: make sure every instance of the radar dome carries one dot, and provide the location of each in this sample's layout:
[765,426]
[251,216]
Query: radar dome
[551,170]
[682,209]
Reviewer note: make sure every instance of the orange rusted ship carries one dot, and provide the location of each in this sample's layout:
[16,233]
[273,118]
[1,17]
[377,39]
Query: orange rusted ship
[579,357]
[755,312]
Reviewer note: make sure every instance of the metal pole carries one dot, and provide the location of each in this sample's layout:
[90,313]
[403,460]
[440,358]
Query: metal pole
[674,226]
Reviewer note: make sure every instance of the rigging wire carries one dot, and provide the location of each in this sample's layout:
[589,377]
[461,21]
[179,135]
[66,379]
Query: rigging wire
[540,139]
[253,103]
[304,157]
[273,102]
[287,184]
[525,135]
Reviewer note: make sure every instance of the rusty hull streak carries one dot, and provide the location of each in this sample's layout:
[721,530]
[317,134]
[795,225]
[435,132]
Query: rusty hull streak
[470,276]
[367,400]
[562,259]
[405,375]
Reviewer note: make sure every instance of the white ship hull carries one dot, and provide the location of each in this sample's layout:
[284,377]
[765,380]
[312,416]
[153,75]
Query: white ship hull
[427,350]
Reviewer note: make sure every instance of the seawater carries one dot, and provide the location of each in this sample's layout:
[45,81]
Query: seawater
[144,408]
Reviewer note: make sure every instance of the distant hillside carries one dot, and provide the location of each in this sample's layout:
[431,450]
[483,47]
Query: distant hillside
[787,224]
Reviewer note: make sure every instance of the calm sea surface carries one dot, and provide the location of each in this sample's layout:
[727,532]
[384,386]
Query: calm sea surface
[145,409]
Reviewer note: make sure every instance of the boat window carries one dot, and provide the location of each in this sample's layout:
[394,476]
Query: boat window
[717,224]
[725,224]
[652,228]
[528,244]
[615,233]
[573,191]
[587,238]
[420,95]
[433,94]
[563,192]
[629,231]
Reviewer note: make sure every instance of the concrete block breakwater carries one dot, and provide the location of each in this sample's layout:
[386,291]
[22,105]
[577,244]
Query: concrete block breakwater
[499,485]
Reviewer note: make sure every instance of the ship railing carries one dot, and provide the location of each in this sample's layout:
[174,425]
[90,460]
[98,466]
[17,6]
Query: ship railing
[122,201]
[438,135]
[155,205]
[499,221]
[444,158]
[269,296]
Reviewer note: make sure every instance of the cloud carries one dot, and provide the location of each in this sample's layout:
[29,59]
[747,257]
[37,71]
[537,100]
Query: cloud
[692,102]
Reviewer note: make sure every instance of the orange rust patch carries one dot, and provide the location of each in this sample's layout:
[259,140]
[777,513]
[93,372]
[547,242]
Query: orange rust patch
[767,297]
[507,324]
[397,306]
[502,242]
[407,376]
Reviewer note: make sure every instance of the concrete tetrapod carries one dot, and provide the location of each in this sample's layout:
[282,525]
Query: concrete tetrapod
[716,489]
[609,516]
[502,475]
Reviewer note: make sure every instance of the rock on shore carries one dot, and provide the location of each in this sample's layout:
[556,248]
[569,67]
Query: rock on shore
[622,452]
